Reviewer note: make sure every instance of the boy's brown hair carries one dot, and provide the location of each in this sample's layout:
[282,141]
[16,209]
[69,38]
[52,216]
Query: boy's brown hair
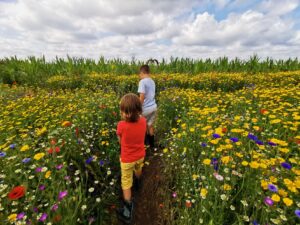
[145,69]
[131,106]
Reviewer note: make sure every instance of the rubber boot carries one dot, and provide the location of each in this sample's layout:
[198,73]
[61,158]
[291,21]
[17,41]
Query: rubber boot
[151,141]
[125,213]
[147,140]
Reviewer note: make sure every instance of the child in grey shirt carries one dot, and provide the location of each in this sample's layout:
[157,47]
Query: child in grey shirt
[147,97]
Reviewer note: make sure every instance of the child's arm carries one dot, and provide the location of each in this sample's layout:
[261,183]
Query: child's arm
[142,97]
[119,139]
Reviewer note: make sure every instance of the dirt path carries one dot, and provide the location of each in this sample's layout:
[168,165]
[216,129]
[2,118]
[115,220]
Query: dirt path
[150,199]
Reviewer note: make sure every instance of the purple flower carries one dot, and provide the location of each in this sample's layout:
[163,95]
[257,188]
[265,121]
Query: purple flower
[62,194]
[89,160]
[255,222]
[272,187]
[252,137]
[12,146]
[259,142]
[286,165]
[42,187]
[67,177]
[297,213]
[43,217]
[272,143]
[234,139]
[216,136]
[2,154]
[35,209]
[20,216]
[101,163]
[268,201]
[54,207]
[59,167]
[26,160]
[38,170]
[174,195]
[214,162]
[203,144]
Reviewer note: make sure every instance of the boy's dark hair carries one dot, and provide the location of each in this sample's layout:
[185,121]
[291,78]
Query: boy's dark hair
[145,69]
[131,106]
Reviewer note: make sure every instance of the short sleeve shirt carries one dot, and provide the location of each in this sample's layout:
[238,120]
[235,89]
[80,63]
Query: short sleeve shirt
[132,135]
[147,86]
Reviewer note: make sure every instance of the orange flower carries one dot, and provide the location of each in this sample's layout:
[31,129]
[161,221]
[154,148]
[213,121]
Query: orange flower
[66,124]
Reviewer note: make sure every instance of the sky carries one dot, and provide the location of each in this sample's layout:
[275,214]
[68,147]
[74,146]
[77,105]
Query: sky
[146,29]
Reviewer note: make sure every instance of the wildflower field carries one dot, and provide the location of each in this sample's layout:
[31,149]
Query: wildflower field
[230,147]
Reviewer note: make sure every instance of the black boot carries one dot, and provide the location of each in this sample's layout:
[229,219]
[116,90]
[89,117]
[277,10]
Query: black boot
[137,184]
[147,140]
[125,213]
[151,141]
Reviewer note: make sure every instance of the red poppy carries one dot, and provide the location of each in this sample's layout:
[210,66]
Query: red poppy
[50,151]
[53,141]
[188,204]
[102,106]
[16,193]
[57,150]
[77,131]
[57,218]
[224,130]
[263,111]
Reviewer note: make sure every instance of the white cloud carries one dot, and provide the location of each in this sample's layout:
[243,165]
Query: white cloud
[144,29]
[278,7]
[248,29]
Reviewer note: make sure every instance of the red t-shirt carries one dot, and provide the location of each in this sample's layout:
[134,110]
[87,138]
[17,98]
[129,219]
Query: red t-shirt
[132,139]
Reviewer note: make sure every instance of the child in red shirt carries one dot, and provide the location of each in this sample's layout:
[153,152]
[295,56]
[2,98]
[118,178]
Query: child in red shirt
[131,133]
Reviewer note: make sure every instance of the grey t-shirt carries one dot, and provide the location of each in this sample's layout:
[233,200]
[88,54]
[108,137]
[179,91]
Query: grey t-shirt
[147,86]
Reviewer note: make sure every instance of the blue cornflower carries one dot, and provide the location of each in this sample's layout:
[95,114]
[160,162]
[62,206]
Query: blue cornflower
[234,139]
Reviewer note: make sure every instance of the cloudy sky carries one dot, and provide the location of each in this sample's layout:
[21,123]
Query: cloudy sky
[144,28]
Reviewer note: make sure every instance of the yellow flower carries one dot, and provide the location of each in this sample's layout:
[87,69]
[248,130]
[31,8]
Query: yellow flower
[282,192]
[245,163]
[264,184]
[41,131]
[227,187]
[275,121]
[254,120]
[225,159]
[254,164]
[24,148]
[12,217]
[276,198]
[237,130]
[273,179]
[48,174]
[195,176]
[38,156]
[203,192]
[288,201]
[284,150]
[206,161]
[165,150]
[297,182]
[239,155]
[214,141]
